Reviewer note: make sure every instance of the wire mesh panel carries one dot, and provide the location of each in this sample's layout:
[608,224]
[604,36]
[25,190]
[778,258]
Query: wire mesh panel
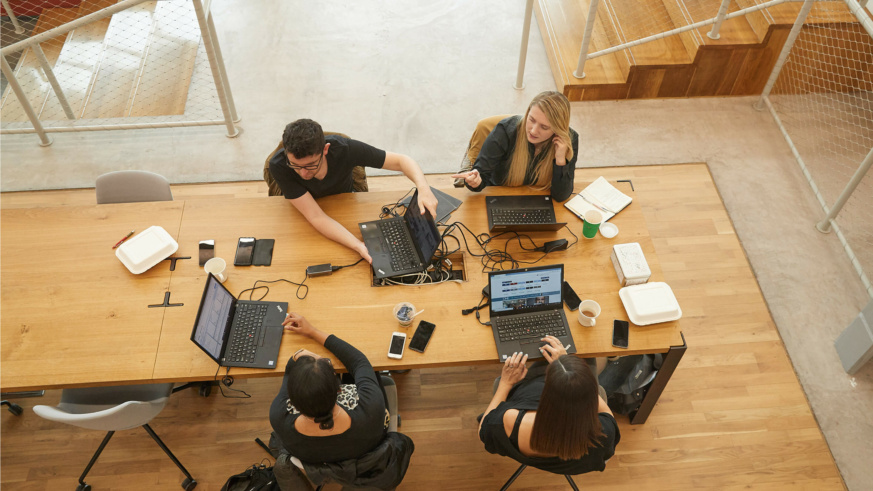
[143,65]
[824,98]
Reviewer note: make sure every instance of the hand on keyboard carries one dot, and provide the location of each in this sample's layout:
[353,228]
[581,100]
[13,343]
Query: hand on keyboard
[514,369]
[552,349]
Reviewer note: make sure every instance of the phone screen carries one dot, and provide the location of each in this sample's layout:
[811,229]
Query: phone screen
[396,347]
[244,250]
[207,251]
[570,298]
[422,336]
[619,333]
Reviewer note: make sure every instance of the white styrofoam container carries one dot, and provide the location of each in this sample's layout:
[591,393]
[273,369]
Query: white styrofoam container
[650,303]
[630,264]
[146,249]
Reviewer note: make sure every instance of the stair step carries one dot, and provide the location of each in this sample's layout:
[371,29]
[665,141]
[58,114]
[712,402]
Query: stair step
[634,24]
[120,61]
[28,70]
[165,76]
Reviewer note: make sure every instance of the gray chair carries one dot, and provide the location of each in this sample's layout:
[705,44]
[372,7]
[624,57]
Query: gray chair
[132,186]
[113,409]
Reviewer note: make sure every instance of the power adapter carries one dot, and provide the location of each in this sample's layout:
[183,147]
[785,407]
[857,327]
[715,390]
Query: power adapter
[319,270]
[554,245]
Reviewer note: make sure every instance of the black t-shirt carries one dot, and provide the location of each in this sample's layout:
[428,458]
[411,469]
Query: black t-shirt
[525,396]
[368,413]
[342,156]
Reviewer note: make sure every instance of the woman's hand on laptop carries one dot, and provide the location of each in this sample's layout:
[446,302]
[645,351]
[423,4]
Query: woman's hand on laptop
[298,324]
[427,201]
[552,349]
[472,178]
[361,249]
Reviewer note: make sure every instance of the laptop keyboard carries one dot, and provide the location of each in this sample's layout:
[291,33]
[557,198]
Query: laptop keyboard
[403,255]
[248,333]
[501,216]
[530,328]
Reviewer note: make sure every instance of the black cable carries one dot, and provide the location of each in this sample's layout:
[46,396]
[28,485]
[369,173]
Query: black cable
[227,381]
[297,292]
[337,268]
[390,210]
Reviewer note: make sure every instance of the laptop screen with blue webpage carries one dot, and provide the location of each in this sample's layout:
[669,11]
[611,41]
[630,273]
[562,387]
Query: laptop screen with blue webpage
[526,290]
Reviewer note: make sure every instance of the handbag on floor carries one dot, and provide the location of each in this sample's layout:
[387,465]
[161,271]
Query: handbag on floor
[258,477]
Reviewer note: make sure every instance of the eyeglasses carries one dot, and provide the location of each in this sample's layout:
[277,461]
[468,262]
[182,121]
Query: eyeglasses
[312,166]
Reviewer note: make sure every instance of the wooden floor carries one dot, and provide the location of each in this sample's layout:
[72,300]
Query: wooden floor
[733,416]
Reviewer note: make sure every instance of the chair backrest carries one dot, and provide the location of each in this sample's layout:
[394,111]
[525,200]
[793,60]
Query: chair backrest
[108,408]
[483,128]
[359,175]
[383,467]
[132,186]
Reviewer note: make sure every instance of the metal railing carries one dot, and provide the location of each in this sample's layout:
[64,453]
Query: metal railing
[129,65]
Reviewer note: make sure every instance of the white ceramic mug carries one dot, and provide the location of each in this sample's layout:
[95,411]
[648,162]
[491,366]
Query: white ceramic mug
[591,307]
[218,268]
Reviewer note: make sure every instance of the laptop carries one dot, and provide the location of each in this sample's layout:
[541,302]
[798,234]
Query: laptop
[401,245]
[523,213]
[526,305]
[446,204]
[238,333]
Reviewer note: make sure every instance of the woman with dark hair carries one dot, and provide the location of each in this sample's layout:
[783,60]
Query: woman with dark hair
[316,418]
[538,149]
[552,416]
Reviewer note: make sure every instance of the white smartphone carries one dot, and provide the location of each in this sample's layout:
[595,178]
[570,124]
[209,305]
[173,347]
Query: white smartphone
[398,343]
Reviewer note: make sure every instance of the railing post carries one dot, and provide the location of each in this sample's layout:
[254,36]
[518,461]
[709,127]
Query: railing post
[22,98]
[824,226]
[586,39]
[525,35]
[232,131]
[220,58]
[786,49]
[719,20]
[50,75]
[12,17]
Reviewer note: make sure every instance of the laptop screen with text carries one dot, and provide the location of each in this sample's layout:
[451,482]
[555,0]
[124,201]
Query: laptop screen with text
[215,313]
[526,290]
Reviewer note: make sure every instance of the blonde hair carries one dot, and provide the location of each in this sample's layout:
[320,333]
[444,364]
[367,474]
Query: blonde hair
[556,107]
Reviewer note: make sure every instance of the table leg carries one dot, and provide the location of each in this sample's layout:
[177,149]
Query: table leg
[671,360]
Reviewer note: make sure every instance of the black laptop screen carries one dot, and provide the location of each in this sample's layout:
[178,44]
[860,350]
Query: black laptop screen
[525,290]
[213,318]
[424,231]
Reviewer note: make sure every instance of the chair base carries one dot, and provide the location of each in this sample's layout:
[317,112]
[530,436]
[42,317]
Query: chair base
[521,469]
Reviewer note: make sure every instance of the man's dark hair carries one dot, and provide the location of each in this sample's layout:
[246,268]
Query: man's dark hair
[303,138]
[312,388]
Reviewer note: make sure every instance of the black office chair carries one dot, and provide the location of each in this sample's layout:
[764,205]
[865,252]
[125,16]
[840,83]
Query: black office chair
[521,469]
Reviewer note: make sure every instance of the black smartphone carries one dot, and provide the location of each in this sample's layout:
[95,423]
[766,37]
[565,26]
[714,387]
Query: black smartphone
[570,298]
[619,333]
[422,336]
[245,248]
[207,251]
[263,255]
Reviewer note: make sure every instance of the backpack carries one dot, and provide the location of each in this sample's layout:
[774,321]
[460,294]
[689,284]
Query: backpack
[258,477]
[627,379]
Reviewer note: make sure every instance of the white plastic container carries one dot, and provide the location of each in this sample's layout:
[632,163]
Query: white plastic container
[146,249]
[650,303]
[630,264]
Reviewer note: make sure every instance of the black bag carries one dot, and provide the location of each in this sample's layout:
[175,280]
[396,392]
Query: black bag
[627,379]
[258,477]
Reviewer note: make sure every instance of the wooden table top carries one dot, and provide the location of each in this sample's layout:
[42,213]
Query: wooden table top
[104,302]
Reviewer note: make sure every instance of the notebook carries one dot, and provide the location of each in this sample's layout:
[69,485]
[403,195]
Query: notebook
[600,195]
[238,333]
[401,245]
[446,204]
[521,213]
[526,305]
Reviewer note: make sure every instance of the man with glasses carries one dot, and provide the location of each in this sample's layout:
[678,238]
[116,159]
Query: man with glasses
[311,165]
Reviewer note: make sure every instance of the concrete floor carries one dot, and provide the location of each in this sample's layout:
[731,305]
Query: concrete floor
[413,77]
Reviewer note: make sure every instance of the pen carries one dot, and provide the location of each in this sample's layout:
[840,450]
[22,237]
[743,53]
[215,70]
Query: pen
[122,240]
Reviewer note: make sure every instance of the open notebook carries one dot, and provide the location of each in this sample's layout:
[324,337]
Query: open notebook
[600,195]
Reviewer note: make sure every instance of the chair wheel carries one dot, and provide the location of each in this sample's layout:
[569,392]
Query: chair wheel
[83,487]
[189,484]
[15,409]
[398,421]
[205,390]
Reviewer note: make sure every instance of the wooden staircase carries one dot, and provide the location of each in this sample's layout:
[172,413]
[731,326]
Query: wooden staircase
[685,65]
[137,63]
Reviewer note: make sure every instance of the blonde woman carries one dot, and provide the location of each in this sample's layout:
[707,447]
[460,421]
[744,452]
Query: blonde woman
[537,150]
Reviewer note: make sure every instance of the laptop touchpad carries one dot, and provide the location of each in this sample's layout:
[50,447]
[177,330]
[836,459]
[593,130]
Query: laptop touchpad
[375,246]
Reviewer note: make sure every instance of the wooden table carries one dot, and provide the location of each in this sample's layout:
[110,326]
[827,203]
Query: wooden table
[344,303]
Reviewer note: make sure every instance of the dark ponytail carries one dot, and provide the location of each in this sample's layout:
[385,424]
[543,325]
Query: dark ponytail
[312,388]
[324,422]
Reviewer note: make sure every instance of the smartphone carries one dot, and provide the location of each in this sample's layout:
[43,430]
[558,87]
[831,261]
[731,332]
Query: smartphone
[619,333]
[570,298]
[398,342]
[421,337]
[207,251]
[245,248]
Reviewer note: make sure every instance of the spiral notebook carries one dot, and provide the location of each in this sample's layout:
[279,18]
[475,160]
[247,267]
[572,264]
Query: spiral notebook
[600,195]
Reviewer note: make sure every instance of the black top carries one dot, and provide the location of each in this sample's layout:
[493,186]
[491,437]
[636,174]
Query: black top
[342,156]
[525,396]
[496,154]
[368,416]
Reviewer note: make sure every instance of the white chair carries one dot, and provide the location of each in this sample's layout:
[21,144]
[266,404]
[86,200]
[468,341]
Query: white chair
[132,186]
[112,409]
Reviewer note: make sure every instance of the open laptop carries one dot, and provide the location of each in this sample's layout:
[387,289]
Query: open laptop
[238,333]
[401,245]
[526,305]
[521,213]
